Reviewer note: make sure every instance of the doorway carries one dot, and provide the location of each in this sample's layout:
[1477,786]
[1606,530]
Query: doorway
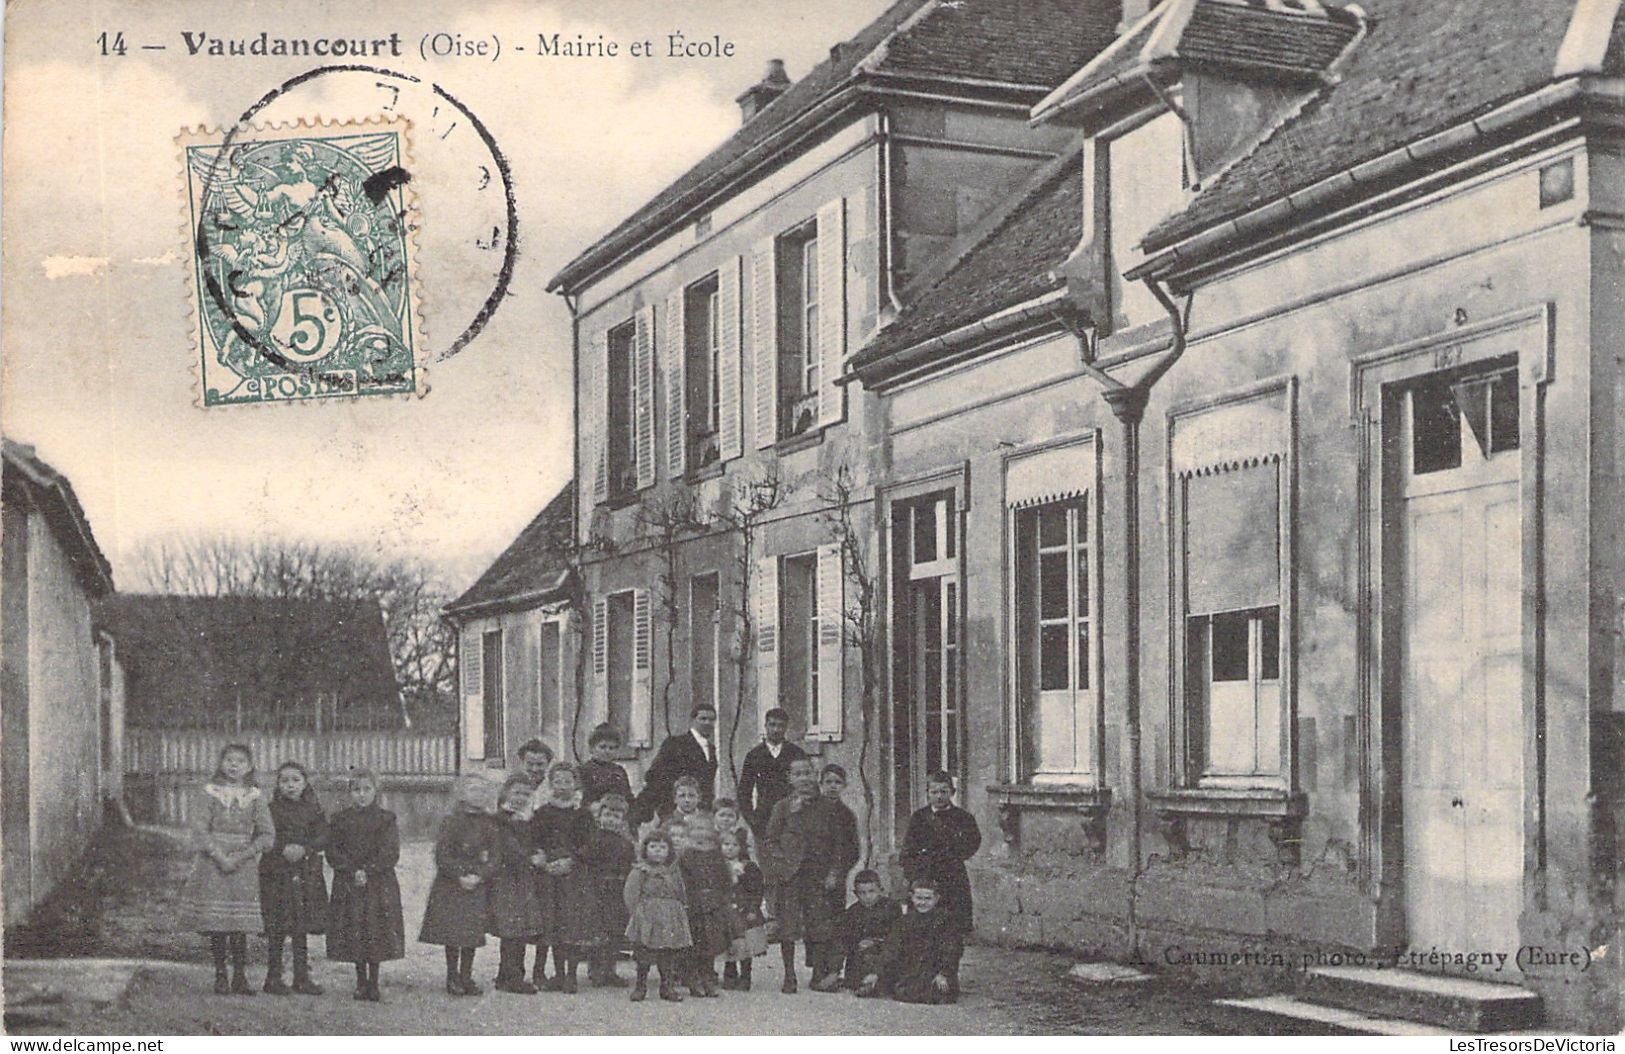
[1459,524]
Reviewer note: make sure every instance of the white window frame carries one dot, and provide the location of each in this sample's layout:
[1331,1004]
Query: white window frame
[810,350]
[1083,664]
[1215,436]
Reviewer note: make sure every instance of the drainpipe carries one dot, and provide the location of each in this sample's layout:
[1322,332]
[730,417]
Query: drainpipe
[1127,403]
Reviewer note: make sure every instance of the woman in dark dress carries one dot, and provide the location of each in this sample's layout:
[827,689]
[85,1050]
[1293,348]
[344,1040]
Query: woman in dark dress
[364,923]
[293,885]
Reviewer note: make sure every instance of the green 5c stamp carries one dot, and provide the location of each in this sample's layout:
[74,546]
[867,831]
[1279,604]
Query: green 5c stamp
[302,261]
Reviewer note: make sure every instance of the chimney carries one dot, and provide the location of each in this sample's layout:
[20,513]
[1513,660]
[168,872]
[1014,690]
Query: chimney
[773,84]
[1133,11]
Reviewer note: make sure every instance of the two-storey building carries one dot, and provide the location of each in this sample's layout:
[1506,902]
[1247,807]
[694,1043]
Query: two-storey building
[725,541]
[1283,415]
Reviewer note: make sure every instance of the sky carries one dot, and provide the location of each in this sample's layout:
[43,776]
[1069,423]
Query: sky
[98,367]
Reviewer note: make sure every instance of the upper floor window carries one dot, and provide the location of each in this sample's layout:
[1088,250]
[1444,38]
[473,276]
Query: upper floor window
[702,352]
[620,440]
[1144,183]
[798,298]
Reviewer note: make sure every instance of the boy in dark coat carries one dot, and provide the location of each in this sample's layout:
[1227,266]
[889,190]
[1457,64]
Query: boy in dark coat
[364,923]
[514,910]
[706,880]
[600,775]
[466,854]
[293,886]
[939,839]
[811,844]
[559,828]
[921,954]
[865,927]
[607,857]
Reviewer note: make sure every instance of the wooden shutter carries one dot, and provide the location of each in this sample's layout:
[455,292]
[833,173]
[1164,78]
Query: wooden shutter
[730,427]
[831,641]
[594,413]
[764,344]
[673,347]
[643,380]
[472,657]
[831,311]
[639,732]
[600,660]
[765,599]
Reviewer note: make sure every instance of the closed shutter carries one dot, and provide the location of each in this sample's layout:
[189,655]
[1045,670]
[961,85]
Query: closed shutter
[594,413]
[473,675]
[764,344]
[765,599]
[831,642]
[831,311]
[639,733]
[676,388]
[643,380]
[728,396]
[600,660]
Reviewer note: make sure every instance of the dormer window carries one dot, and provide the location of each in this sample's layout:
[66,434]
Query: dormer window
[1142,177]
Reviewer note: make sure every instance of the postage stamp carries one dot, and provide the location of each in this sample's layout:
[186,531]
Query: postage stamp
[302,262]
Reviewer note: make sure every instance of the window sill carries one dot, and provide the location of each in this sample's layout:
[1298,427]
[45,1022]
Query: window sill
[1281,810]
[1071,797]
[805,441]
[1264,803]
[700,474]
[1092,804]
[620,501]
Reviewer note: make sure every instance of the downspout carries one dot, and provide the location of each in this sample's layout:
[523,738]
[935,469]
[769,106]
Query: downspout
[887,250]
[1127,403]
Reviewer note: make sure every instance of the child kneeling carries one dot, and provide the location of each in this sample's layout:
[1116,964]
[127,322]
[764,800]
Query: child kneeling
[920,954]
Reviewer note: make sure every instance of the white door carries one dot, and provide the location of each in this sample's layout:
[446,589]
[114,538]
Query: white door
[1462,702]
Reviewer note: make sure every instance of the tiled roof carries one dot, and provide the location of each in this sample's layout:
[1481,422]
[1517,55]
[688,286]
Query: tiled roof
[1035,43]
[1032,42]
[23,466]
[1424,66]
[1234,33]
[194,656]
[1009,262]
[534,566]
[1273,39]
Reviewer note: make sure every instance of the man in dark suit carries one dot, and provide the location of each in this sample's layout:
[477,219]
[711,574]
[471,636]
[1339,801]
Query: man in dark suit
[691,753]
[764,780]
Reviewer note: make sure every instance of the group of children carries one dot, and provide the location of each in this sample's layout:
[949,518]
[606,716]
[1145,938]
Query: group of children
[233,825]
[547,860]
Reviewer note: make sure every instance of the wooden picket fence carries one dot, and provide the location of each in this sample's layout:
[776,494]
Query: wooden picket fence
[163,767]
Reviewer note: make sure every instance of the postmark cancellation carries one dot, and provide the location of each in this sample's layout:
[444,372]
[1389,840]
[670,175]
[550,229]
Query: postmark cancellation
[304,281]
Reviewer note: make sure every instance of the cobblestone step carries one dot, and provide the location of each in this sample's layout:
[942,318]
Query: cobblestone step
[1455,1003]
[1285,1011]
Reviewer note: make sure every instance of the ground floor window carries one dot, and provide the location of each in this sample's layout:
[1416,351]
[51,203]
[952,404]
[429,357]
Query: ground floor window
[927,724]
[621,632]
[491,699]
[705,656]
[1232,542]
[1054,644]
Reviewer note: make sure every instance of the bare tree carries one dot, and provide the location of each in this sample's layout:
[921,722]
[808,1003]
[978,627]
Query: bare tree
[749,504]
[860,621]
[409,593]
